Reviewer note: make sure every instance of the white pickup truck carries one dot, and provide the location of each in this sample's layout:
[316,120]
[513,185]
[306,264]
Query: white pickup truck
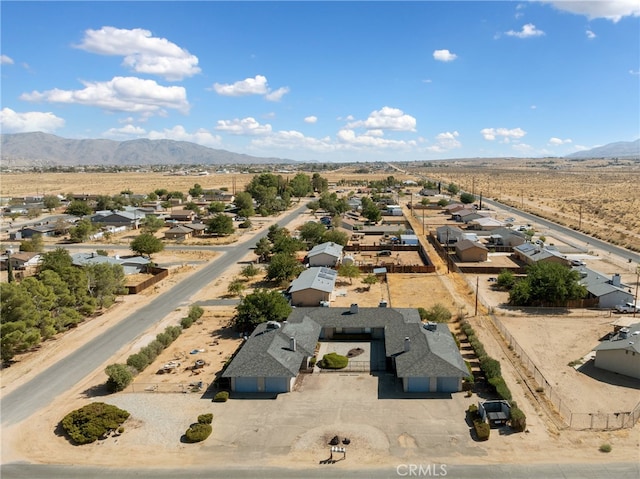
[627,308]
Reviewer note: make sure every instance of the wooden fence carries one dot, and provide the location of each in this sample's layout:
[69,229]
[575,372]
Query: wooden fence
[158,275]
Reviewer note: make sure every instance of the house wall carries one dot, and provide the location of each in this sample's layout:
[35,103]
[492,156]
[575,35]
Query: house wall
[309,297]
[613,299]
[619,361]
[472,254]
[323,259]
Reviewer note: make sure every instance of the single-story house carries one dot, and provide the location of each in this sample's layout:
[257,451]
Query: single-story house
[423,356]
[20,260]
[218,195]
[182,215]
[531,253]
[452,208]
[29,232]
[621,352]
[130,265]
[313,286]
[485,224]
[468,215]
[506,237]
[471,251]
[407,239]
[428,192]
[448,234]
[325,254]
[129,219]
[609,290]
[178,232]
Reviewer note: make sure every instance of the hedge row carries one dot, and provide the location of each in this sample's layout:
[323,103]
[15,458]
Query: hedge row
[121,375]
[195,312]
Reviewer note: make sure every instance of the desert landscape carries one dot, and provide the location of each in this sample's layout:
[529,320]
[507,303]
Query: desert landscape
[185,390]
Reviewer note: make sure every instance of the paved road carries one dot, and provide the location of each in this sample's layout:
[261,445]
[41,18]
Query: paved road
[499,471]
[575,235]
[63,375]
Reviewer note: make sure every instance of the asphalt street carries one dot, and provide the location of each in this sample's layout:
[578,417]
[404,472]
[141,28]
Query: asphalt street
[66,373]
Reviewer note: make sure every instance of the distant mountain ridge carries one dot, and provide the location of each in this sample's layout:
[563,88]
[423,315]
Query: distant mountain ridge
[43,149]
[620,149]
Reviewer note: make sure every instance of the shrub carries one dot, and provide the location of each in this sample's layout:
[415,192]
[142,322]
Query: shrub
[195,312]
[605,447]
[173,331]
[518,419]
[312,361]
[205,418]
[139,361]
[501,387]
[482,430]
[93,421]
[165,339]
[156,346]
[120,376]
[221,396]
[438,313]
[198,432]
[333,361]
[186,322]
[149,352]
[473,410]
[491,367]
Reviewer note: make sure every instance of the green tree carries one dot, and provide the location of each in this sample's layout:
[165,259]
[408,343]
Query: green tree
[151,224]
[263,249]
[349,270]
[250,270]
[259,307]
[216,207]
[372,213]
[196,191]
[244,203]
[33,245]
[301,186]
[82,231]
[438,313]
[467,198]
[319,183]
[506,279]
[236,287]
[313,206]
[335,236]
[146,244]
[78,208]
[106,281]
[453,189]
[119,377]
[370,280]
[288,245]
[312,233]
[51,202]
[18,321]
[283,267]
[220,224]
[547,284]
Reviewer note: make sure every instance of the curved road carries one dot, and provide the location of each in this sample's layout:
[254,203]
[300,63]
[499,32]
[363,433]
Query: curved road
[63,375]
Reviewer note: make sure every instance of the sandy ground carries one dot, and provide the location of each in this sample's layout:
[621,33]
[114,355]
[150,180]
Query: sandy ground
[212,335]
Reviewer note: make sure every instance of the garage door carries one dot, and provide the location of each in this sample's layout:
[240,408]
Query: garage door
[417,385]
[353,330]
[447,385]
[276,385]
[246,385]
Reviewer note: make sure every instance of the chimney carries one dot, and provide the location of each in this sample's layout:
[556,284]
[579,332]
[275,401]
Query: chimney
[292,344]
[615,280]
[354,308]
[407,344]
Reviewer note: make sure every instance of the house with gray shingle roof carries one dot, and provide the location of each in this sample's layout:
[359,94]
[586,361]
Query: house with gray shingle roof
[130,265]
[313,286]
[531,253]
[609,290]
[450,234]
[325,254]
[423,356]
[621,352]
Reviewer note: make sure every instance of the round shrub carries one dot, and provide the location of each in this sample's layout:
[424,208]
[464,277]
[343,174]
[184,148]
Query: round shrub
[93,421]
[186,322]
[205,418]
[518,419]
[605,448]
[221,396]
[198,432]
[138,360]
[333,361]
[120,376]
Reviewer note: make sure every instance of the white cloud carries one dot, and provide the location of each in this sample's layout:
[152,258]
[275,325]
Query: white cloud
[142,52]
[311,119]
[178,133]
[447,141]
[558,141]
[444,55]
[634,72]
[528,30]
[294,141]
[5,60]
[386,118]
[533,107]
[492,133]
[590,34]
[250,86]
[348,138]
[611,10]
[245,126]
[14,122]
[125,132]
[130,94]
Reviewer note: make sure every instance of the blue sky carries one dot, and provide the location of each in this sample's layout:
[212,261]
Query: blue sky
[328,81]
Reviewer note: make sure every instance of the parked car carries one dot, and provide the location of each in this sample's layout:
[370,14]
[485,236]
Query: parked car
[627,308]
[384,252]
[239,218]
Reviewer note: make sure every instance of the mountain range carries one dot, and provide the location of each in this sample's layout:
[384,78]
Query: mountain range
[620,149]
[43,149]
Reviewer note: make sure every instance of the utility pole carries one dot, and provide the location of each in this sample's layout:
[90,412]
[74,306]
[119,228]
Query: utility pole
[9,267]
[423,221]
[580,216]
[477,291]
[635,298]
